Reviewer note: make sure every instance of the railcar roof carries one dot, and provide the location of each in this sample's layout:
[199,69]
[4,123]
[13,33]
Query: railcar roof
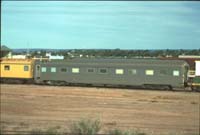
[117,61]
[16,61]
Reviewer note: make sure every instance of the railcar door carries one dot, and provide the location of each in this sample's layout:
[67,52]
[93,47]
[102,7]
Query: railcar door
[185,75]
[37,74]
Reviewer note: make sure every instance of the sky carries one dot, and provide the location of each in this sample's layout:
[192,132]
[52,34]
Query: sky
[101,24]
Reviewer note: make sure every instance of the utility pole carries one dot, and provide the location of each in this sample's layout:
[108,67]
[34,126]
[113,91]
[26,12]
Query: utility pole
[27,51]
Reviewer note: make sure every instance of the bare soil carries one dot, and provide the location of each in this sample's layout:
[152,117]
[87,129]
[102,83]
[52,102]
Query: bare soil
[28,107]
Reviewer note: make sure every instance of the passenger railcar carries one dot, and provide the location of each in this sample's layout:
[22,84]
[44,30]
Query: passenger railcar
[121,72]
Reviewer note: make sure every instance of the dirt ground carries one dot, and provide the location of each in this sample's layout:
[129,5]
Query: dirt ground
[28,107]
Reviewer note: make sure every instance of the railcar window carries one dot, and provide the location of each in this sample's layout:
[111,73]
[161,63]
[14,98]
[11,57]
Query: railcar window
[90,70]
[119,71]
[6,67]
[26,68]
[53,69]
[163,72]
[175,73]
[133,71]
[63,69]
[75,70]
[44,69]
[103,70]
[149,72]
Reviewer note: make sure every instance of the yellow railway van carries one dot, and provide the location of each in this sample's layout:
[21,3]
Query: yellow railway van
[16,69]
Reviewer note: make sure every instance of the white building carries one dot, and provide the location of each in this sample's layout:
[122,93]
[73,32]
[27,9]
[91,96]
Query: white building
[189,56]
[18,56]
[197,68]
[54,57]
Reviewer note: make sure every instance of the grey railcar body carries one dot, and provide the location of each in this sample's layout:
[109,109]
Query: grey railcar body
[127,72]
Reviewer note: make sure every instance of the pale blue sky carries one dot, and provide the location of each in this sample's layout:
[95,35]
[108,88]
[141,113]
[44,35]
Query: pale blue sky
[101,24]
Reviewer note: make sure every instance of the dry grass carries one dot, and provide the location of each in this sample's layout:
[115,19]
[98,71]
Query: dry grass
[28,107]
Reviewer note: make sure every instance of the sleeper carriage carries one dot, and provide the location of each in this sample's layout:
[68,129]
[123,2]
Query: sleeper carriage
[116,72]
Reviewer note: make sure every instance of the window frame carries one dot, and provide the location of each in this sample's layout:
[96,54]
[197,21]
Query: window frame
[26,66]
[163,72]
[53,69]
[61,70]
[119,71]
[176,73]
[75,70]
[93,70]
[106,69]
[42,69]
[149,72]
[130,71]
[7,68]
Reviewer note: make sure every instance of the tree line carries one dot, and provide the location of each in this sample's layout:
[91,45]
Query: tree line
[113,53]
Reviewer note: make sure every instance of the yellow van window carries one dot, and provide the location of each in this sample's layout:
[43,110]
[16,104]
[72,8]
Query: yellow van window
[6,67]
[26,68]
